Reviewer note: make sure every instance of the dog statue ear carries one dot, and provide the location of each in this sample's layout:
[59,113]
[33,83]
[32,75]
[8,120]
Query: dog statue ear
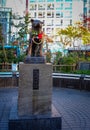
[32,20]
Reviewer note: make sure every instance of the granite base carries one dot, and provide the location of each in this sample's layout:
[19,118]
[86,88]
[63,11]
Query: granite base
[35,122]
[35,89]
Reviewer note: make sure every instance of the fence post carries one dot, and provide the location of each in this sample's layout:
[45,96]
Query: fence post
[82,81]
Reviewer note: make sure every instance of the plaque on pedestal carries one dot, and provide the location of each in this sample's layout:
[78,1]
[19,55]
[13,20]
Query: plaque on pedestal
[34,60]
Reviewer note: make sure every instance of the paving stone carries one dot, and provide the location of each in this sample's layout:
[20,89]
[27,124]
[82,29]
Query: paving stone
[73,106]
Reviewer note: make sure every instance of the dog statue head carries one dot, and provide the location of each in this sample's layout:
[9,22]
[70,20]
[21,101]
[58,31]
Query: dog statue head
[36,25]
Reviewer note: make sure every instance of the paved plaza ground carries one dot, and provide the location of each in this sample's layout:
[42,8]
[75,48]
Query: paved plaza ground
[73,106]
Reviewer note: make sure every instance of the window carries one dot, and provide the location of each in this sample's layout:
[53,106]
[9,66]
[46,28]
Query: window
[32,1]
[68,14]
[3,14]
[50,14]
[68,5]
[50,0]
[59,22]
[3,2]
[59,14]
[41,0]
[33,14]
[33,6]
[68,0]
[49,22]
[59,0]
[59,6]
[41,6]
[41,14]
[50,6]
[49,30]
[68,22]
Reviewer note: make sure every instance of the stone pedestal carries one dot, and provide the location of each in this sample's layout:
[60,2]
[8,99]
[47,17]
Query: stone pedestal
[34,110]
[35,89]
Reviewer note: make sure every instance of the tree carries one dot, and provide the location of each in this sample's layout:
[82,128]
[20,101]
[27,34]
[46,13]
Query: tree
[70,34]
[86,21]
[2,43]
[21,24]
[85,33]
[23,31]
[86,38]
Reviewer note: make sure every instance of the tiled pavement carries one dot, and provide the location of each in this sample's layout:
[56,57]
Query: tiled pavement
[73,106]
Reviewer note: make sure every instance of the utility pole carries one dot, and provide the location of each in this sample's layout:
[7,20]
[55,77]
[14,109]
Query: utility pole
[26,7]
[26,19]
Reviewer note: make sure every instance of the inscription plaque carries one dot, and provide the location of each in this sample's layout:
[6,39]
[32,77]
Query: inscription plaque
[34,60]
[35,79]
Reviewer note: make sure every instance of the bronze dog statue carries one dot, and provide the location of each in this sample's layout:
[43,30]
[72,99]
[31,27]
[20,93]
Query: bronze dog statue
[36,39]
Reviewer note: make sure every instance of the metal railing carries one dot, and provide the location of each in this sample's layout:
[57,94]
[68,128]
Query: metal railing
[7,74]
[6,67]
[64,68]
[82,80]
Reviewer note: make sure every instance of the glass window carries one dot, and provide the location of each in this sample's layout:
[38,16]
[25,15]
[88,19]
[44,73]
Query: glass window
[68,14]
[41,14]
[59,6]
[59,14]
[50,14]
[33,14]
[41,6]
[49,22]
[59,0]
[68,22]
[50,6]
[33,6]
[59,22]
[49,30]
[50,0]
[3,2]
[32,1]
[41,0]
[68,5]
[3,14]
[68,0]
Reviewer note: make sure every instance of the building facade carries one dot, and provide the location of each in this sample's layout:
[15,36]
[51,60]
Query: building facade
[86,13]
[2,3]
[5,21]
[56,13]
[17,8]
